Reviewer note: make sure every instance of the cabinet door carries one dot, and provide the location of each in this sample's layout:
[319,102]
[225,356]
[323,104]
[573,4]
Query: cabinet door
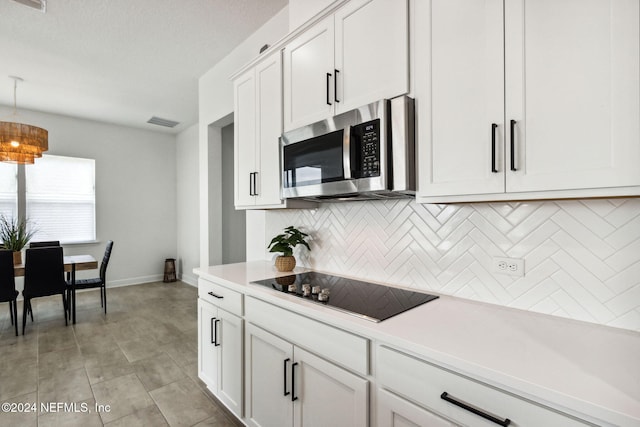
[328,395]
[461,74]
[572,87]
[308,76]
[207,350]
[269,128]
[230,343]
[394,411]
[268,382]
[371,52]
[244,138]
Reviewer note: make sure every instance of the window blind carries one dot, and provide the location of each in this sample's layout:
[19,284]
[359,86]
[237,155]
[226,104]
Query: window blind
[8,190]
[60,198]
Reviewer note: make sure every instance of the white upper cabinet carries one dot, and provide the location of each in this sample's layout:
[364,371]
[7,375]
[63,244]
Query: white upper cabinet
[572,87]
[244,137]
[563,75]
[356,56]
[269,129]
[466,87]
[257,128]
[371,52]
[308,76]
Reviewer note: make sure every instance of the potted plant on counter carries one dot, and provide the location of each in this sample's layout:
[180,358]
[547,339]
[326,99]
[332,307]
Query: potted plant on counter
[285,243]
[15,235]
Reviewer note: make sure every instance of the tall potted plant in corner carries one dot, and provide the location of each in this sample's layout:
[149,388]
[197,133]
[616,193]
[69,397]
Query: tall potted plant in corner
[15,235]
[284,244]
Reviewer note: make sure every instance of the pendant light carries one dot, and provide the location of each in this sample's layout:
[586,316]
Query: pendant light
[21,143]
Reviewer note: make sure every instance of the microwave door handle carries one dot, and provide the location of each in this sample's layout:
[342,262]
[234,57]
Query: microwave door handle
[346,152]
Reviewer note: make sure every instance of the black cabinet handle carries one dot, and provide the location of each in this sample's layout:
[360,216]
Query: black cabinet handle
[478,412]
[328,77]
[252,184]
[215,333]
[215,296]
[335,87]
[213,339]
[293,382]
[286,393]
[255,183]
[513,145]
[493,148]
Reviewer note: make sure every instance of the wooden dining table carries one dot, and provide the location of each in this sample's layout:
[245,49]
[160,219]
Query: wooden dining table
[72,263]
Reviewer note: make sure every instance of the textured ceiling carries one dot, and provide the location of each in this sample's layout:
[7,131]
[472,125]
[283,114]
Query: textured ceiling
[120,61]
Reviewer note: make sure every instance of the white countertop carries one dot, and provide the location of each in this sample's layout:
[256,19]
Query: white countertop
[576,367]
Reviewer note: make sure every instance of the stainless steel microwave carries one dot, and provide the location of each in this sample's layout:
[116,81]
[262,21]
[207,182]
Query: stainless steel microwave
[365,153]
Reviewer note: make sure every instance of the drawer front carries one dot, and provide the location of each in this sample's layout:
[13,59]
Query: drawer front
[393,411]
[425,383]
[221,296]
[326,341]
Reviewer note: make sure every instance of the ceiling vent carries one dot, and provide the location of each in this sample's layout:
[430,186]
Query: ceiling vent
[162,122]
[40,5]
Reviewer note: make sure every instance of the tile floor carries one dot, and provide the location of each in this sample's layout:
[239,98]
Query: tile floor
[140,359]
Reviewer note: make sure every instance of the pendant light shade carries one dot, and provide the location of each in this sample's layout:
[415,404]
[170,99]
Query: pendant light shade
[21,143]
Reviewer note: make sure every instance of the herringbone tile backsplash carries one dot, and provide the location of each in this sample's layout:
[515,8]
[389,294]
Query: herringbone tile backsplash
[582,258]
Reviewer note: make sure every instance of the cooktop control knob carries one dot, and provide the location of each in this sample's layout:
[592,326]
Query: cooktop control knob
[324,295]
[315,290]
[306,290]
[293,288]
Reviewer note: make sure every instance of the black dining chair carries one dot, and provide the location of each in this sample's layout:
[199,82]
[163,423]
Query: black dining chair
[97,282]
[8,291]
[44,244]
[43,276]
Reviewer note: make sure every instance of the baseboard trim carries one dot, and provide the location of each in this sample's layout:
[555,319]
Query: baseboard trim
[122,283]
[189,279]
[134,280]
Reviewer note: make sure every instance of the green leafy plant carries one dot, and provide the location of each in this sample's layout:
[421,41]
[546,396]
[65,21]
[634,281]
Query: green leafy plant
[285,242]
[14,233]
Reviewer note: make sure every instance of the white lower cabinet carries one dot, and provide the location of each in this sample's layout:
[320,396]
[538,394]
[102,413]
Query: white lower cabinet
[454,397]
[220,354]
[394,411]
[207,350]
[268,392]
[288,386]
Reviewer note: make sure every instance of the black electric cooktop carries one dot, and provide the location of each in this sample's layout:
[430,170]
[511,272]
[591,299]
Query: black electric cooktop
[366,300]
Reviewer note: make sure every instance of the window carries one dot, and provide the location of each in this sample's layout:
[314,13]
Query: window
[60,198]
[8,190]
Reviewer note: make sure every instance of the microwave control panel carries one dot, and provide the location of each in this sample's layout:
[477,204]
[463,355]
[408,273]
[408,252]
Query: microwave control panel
[366,142]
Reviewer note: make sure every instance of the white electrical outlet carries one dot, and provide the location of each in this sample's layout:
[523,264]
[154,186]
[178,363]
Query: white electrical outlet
[510,266]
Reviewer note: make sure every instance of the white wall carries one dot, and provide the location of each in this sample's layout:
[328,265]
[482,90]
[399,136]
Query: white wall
[300,11]
[135,191]
[188,226]
[215,107]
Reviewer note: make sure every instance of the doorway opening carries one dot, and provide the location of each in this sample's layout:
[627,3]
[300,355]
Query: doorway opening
[233,221]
